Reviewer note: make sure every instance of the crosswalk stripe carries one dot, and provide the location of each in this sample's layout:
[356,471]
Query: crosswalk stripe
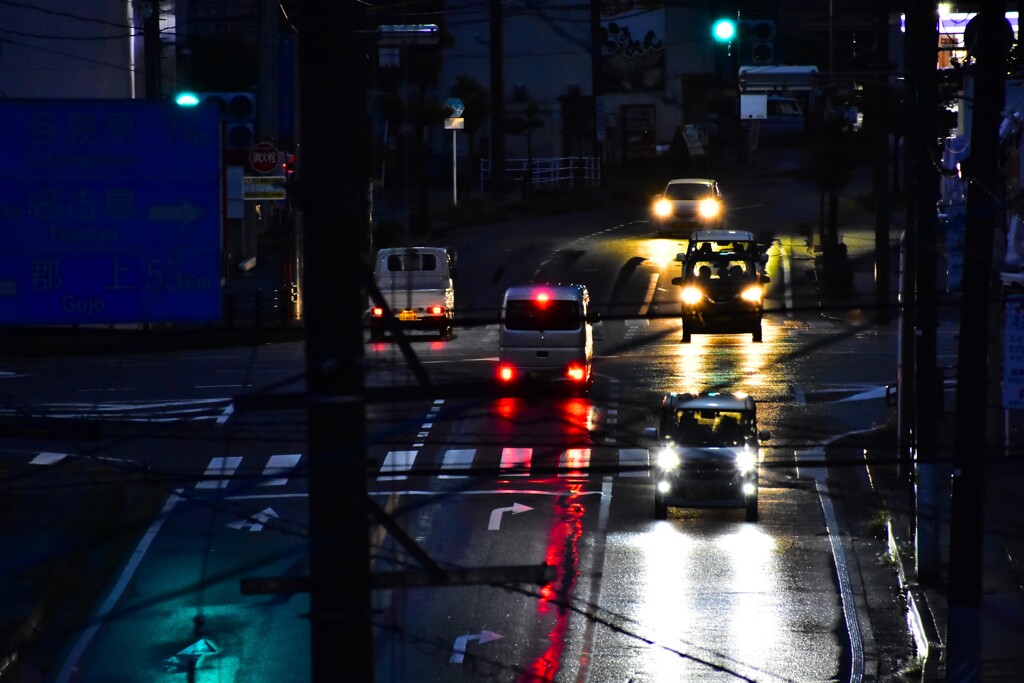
[279,465]
[48,458]
[634,457]
[574,459]
[457,459]
[218,472]
[397,461]
[516,461]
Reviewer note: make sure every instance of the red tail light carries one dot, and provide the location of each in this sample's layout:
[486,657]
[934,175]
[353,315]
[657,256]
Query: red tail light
[506,373]
[377,312]
[436,310]
[576,373]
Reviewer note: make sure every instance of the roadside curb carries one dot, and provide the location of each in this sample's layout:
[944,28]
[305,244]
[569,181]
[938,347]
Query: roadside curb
[931,650]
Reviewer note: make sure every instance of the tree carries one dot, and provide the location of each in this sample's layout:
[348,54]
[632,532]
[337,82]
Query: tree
[525,125]
[830,161]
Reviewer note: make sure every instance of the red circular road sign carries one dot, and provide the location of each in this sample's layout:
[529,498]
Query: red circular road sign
[264,157]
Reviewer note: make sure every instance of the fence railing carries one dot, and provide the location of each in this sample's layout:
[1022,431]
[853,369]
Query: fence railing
[548,172]
[258,309]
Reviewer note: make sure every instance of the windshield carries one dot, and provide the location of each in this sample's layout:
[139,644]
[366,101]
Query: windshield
[529,314]
[690,191]
[715,269]
[711,427]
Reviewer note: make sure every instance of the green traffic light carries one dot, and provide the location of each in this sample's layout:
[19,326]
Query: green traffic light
[723,30]
[186,99]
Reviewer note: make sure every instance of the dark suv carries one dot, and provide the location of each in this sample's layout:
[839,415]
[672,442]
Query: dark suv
[722,292]
[710,453]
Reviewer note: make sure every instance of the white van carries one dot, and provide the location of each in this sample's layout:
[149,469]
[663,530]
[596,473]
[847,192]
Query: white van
[546,335]
[416,283]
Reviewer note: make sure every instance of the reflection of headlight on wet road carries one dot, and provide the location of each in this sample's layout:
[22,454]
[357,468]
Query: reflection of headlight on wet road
[752,294]
[692,295]
[709,208]
[668,460]
[746,461]
[749,488]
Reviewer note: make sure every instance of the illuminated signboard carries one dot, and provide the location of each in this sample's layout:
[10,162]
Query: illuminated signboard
[109,212]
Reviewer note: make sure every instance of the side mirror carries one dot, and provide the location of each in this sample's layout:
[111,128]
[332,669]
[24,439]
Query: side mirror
[677,281]
[650,433]
[681,256]
[765,279]
[763,258]
[764,435]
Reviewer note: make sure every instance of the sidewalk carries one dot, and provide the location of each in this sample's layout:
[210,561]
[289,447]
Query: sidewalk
[1001,612]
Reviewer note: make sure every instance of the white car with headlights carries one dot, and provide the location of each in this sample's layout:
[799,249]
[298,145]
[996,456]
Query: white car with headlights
[688,203]
[708,454]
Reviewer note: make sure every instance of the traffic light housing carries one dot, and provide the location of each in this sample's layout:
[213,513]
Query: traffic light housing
[757,41]
[237,114]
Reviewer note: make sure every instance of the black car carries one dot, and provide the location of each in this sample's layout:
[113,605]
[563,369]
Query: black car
[710,453]
[722,292]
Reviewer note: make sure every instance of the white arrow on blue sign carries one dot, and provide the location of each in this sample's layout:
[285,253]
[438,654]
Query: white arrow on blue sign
[455,106]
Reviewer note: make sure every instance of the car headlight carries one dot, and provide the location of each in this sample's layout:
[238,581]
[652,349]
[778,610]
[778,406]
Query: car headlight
[668,460]
[709,208]
[753,294]
[746,461]
[692,295]
[663,208]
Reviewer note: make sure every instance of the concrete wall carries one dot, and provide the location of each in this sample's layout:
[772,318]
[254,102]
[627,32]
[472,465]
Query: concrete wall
[60,49]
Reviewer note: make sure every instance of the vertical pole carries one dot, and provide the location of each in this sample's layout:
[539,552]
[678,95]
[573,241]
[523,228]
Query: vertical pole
[455,175]
[880,133]
[973,442]
[927,385]
[497,89]
[332,180]
[152,47]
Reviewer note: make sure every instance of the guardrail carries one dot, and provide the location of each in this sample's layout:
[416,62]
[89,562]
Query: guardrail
[548,172]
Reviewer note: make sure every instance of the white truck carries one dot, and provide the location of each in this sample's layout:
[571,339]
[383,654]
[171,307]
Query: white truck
[416,283]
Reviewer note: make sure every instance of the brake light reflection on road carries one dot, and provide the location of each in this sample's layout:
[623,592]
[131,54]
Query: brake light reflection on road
[563,555]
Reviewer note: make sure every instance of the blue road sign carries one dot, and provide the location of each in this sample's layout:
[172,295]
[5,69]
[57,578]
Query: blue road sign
[109,212]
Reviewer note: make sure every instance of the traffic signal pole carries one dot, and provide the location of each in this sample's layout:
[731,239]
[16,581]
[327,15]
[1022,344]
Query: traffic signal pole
[973,443]
[332,196]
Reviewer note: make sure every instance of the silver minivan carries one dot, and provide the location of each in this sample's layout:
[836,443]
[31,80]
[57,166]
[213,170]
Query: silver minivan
[546,336]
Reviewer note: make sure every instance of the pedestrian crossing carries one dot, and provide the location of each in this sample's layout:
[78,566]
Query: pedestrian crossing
[513,461]
[279,470]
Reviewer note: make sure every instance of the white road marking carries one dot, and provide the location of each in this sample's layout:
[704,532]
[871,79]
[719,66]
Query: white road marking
[48,458]
[279,464]
[218,472]
[457,459]
[397,461]
[516,461]
[649,297]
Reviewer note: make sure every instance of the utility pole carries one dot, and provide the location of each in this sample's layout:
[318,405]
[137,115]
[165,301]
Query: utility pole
[332,196]
[497,90]
[973,442]
[923,41]
[152,47]
[880,135]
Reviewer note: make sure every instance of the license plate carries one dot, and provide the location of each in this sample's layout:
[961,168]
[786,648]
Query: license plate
[407,315]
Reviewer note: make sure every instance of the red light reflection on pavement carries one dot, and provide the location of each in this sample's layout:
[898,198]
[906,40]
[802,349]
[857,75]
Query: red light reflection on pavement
[563,554]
